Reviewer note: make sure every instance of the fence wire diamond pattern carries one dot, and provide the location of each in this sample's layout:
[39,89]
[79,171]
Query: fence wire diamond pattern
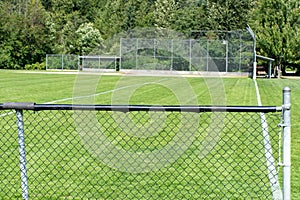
[128,156]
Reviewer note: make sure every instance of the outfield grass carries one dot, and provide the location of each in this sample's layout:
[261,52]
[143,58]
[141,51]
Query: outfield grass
[43,88]
[23,86]
[60,165]
[40,88]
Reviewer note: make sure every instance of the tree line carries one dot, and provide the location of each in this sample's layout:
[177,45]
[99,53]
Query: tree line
[30,29]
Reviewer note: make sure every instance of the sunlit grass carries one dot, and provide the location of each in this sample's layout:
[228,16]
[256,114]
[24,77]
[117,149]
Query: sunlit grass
[53,143]
[271,94]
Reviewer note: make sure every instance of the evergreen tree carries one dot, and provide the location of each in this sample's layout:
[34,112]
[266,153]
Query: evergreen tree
[228,14]
[164,13]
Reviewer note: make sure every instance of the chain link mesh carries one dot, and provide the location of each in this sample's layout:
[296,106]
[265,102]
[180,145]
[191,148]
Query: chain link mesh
[10,184]
[70,158]
[61,62]
[206,51]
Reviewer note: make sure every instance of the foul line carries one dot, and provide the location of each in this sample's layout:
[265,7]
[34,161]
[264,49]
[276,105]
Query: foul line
[270,161]
[92,95]
[105,92]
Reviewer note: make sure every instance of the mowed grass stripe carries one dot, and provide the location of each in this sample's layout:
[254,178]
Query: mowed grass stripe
[39,88]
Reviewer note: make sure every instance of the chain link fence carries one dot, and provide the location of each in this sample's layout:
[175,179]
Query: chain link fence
[139,152]
[61,62]
[99,63]
[205,51]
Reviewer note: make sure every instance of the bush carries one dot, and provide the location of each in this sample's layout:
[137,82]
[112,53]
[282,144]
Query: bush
[36,66]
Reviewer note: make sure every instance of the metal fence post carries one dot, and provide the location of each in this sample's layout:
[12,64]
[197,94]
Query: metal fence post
[62,61]
[286,141]
[22,152]
[46,61]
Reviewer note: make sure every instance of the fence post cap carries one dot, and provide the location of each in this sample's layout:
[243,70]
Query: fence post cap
[286,89]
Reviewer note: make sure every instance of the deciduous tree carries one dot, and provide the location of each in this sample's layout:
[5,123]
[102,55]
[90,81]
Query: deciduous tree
[277,26]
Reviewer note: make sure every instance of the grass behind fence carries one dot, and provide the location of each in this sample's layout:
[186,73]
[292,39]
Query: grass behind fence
[60,165]
[270,94]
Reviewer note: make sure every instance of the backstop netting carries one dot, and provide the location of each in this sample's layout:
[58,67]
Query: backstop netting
[204,51]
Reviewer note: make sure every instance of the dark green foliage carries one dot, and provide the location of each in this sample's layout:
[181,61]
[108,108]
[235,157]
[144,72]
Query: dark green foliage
[29,29]
[229,14]
[24,37]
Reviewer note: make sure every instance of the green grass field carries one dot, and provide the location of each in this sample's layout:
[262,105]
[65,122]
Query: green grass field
[59,88]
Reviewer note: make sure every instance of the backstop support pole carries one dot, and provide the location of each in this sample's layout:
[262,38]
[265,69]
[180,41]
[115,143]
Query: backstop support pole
[286,141]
